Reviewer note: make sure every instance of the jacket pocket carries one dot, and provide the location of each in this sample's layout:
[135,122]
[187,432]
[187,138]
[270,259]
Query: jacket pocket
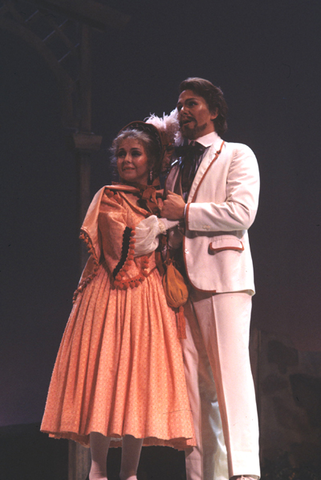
[225,242]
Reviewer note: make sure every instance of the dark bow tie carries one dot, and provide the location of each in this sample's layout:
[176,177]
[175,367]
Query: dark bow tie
[191,156]
[191,151]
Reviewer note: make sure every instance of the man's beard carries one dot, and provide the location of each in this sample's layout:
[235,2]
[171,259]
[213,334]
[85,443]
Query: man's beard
[192,133]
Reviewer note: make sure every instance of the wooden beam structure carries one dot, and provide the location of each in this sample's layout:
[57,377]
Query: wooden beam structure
[75,89]
[89,12]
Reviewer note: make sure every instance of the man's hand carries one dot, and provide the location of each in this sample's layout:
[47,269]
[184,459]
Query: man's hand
[173,207]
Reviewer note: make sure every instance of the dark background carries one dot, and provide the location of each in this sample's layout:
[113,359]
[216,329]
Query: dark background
[265,55]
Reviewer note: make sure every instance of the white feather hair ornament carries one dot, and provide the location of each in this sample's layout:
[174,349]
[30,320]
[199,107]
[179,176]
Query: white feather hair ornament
[168,126]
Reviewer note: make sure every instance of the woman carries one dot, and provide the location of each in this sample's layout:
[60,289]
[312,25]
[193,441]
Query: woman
[118,377]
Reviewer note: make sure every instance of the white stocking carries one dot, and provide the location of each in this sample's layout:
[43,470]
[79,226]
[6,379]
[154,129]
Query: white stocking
[130,457]
[99,445]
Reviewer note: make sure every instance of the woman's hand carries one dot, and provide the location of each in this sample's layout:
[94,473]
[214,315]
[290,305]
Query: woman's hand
[173,207]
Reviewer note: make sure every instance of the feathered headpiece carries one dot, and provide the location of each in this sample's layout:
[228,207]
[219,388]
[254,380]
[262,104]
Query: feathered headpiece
[168,126]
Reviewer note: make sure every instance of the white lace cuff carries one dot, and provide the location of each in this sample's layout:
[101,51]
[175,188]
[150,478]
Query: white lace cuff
[147,231]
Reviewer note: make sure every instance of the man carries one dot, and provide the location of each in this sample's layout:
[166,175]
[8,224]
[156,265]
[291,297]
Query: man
[216,194]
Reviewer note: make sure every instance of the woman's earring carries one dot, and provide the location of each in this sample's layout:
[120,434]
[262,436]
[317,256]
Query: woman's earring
[151,176]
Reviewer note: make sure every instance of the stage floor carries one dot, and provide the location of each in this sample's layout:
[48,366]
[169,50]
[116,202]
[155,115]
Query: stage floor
[28,454]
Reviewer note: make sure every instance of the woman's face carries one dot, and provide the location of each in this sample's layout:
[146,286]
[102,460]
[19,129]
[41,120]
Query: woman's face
[132,161]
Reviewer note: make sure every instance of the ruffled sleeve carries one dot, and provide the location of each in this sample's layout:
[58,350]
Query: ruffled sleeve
[115,228]
[147,233]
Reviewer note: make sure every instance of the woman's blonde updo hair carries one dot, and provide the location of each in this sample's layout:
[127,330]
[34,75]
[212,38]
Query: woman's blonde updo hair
[149,137]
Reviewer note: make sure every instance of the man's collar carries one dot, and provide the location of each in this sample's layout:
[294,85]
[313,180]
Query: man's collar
[207,140]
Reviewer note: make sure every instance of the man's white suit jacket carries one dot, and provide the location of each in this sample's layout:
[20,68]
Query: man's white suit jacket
[221,206]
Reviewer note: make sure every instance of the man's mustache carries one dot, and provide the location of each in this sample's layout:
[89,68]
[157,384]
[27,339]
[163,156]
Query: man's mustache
[186,120]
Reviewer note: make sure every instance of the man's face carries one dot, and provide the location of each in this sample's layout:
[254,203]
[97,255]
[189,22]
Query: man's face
[194,116]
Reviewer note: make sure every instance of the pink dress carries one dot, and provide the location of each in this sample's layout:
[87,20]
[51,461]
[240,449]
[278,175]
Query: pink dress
[119,368]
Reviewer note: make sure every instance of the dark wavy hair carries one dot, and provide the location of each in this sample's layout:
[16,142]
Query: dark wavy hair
[214,98]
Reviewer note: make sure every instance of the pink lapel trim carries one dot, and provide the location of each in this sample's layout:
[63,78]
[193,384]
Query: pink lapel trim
[209,166]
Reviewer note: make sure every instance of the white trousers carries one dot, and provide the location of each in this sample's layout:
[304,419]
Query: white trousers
[220,386]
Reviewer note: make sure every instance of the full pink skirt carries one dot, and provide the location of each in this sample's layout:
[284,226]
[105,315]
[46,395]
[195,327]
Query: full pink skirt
[119,369]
